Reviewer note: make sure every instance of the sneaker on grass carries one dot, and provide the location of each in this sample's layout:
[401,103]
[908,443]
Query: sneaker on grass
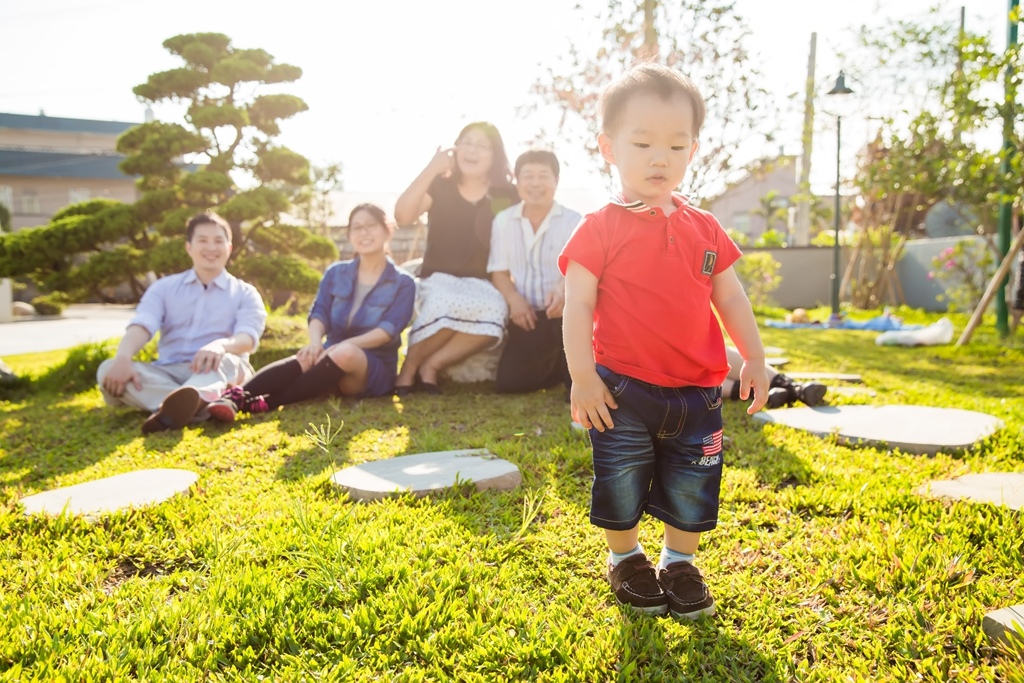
[236,400]
[636,585]
[786,392]
[688,596]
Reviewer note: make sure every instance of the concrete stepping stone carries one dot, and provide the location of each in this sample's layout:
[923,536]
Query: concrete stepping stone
[852,391]
[110,494]
[1004,627]
[425,473]
[775,361]
[1000,488]
[921,430]
[835,376]
[773,351]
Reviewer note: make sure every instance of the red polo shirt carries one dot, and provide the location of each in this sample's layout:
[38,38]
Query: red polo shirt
[653,319]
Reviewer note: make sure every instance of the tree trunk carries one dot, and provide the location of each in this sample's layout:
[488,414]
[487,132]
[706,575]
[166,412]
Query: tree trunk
[650,48]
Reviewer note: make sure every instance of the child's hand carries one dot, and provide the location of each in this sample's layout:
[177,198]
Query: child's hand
[590,400]
[754,376]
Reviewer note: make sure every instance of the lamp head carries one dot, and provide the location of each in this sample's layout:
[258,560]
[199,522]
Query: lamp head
[840,86]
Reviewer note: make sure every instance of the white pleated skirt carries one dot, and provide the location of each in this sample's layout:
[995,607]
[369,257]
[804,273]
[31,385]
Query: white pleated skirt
[463,304]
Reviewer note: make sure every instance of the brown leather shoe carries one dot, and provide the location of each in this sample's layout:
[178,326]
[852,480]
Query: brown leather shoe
[177,410]
[688,595]
[636,585]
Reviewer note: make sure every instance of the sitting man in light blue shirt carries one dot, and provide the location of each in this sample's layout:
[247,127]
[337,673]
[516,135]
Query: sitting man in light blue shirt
[209,321]
[526,240]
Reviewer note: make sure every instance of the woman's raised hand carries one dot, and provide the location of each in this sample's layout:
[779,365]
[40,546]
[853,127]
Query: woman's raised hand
[443,161]
[310,354]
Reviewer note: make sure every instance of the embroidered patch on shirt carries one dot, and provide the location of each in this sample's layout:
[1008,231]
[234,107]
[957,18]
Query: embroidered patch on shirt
[709,262]
[712,443]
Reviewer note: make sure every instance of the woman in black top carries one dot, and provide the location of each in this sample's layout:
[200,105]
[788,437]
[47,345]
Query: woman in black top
[459,310]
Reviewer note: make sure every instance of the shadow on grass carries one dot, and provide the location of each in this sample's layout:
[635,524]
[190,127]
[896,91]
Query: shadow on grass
[652,648]
[49,436]
[328,426]
[990,371]
[532,432]
[748,448]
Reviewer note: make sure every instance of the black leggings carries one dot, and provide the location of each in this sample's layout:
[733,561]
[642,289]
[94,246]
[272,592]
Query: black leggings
[284,382]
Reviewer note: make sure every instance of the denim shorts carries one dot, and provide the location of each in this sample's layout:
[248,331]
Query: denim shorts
[663,457]
[381,371]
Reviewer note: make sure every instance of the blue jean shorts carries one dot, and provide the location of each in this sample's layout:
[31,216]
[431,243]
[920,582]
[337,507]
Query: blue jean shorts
[381,371]
[663,457]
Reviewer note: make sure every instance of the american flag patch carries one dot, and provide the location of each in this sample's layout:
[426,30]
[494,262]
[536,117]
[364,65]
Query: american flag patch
[713,443]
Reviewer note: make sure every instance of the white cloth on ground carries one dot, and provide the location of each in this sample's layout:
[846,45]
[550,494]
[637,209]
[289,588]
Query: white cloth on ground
[939,332]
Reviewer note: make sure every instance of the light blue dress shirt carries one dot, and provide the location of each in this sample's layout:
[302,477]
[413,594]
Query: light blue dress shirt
[189,315]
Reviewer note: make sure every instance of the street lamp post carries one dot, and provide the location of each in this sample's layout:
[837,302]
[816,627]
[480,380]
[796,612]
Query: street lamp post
[839,89]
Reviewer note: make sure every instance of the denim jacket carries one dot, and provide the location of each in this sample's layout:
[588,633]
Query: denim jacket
[389,305]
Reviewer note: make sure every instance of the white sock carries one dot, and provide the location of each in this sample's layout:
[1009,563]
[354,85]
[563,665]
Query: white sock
[668,556]
[615,558]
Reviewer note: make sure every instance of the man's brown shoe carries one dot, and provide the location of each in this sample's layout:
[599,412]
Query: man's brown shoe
[688,595]
[177,410]
[636,585]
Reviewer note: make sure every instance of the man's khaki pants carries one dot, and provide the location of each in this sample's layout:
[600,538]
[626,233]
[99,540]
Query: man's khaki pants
[160,380]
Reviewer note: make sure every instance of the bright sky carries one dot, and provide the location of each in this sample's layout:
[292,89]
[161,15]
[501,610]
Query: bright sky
[388,81]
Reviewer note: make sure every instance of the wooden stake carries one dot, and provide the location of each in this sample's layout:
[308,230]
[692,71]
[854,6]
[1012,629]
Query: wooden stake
[993,287]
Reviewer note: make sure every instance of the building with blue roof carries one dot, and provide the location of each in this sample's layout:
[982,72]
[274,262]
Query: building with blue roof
[48,162]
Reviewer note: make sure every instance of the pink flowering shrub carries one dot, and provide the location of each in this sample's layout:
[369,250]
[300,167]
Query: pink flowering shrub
[759,273]
[964,270]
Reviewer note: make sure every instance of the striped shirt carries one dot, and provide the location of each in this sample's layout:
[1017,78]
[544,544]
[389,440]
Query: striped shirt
[531,257]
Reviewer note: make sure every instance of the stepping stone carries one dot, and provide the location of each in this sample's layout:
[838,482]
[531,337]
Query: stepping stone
[921,430]
[775,361]
[130,490]
[772,351]
[425,473]
[1000,488]
[836,376]
[852,391]
[1004,626]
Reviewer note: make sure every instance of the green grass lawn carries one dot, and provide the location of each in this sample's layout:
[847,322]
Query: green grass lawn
[825,565]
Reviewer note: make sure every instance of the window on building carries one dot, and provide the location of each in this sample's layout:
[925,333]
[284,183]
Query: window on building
[7,196]
[741,222]
[30,202]
[79,194]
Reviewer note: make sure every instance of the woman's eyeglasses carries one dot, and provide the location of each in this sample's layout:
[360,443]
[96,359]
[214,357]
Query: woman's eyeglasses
[362,227]
[481,146]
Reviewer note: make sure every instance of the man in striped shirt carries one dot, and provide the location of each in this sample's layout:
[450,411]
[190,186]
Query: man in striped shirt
[525,242]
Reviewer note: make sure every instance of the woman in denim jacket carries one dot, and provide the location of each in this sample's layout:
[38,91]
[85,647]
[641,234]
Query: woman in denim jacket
[361,307]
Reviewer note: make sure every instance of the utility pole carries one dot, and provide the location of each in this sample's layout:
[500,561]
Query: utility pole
[6,297]
[650,48]
[1006,205]
[958,76]
[802,235]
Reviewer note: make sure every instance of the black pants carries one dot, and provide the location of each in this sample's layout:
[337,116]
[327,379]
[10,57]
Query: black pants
[533,360]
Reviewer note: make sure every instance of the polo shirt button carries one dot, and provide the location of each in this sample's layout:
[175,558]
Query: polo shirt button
[672,240]
[653,212]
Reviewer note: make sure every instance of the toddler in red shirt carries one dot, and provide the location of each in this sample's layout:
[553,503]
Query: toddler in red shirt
[645,276]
